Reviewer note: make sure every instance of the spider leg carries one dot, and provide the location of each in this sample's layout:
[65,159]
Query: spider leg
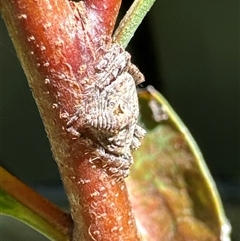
[136,74]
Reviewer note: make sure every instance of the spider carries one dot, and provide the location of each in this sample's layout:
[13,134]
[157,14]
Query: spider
[109,110]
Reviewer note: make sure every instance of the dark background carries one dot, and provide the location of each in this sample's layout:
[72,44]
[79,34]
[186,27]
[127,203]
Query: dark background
[189,51]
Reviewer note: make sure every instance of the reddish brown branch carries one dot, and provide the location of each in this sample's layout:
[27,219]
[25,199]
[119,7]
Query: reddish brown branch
[57,43]
[106,12]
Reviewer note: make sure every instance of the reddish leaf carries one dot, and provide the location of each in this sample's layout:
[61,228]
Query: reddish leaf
[173,195]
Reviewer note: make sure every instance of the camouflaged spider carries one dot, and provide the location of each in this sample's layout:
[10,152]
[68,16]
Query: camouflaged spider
[109,110]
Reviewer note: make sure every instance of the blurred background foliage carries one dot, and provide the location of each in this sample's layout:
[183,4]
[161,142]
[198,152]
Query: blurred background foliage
[189,51]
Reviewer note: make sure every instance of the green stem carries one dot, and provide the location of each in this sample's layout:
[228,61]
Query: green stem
[131,21]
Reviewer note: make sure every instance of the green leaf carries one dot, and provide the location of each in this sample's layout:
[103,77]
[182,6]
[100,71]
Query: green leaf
[11,207]
[173,194]
[21,202]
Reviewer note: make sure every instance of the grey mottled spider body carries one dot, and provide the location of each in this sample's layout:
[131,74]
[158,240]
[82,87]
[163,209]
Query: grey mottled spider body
[109,110]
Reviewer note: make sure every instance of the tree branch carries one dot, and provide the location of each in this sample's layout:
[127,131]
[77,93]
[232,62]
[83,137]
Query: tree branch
[57,43]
